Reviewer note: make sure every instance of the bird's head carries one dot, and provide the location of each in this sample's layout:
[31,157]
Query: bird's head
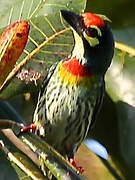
[94,43]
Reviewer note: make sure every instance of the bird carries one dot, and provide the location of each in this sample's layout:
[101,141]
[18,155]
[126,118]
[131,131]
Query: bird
[72,91]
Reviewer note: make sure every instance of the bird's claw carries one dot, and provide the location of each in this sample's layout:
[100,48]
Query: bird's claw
[79,168]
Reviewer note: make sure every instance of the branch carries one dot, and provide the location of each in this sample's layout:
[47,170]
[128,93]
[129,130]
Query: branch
[23,163]
[57,165]
[125,48]
[21,146]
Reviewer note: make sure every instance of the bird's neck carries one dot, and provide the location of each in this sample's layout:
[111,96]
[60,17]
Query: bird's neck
[74,70]
[78,51]
[71,72]
[74,67]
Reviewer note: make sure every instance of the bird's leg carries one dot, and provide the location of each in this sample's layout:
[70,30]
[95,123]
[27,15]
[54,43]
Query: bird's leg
[29,128]
[72,161]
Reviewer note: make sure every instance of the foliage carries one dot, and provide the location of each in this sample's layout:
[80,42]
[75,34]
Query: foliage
[49,40]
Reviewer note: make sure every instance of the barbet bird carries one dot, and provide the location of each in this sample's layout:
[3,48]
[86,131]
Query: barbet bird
[72,91]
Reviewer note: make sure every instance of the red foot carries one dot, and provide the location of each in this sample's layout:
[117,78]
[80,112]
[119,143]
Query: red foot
[30,128]
[72,161]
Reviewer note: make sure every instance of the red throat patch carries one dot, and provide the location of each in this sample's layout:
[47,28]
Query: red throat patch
[92,19]
[74,67]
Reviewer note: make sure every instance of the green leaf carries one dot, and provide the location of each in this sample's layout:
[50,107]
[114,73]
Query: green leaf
[49,41]
[15,10]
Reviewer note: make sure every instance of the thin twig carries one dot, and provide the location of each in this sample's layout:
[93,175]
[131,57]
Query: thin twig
[124,47]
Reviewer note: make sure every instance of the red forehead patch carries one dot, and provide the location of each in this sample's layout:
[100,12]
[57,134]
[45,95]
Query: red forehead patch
[92,19]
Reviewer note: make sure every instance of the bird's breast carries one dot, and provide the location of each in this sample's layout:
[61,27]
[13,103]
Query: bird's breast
[69,110]
[71,72]
[70,100]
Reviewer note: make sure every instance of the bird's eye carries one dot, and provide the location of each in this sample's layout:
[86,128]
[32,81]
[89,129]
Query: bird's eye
[92,32]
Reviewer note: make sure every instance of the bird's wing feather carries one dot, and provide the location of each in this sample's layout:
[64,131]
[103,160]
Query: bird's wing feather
[46,79]
[40,109]
[98,104]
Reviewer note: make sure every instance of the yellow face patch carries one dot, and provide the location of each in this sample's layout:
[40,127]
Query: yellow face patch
[93,41]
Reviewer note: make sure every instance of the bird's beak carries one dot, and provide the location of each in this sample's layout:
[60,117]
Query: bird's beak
[74,20]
